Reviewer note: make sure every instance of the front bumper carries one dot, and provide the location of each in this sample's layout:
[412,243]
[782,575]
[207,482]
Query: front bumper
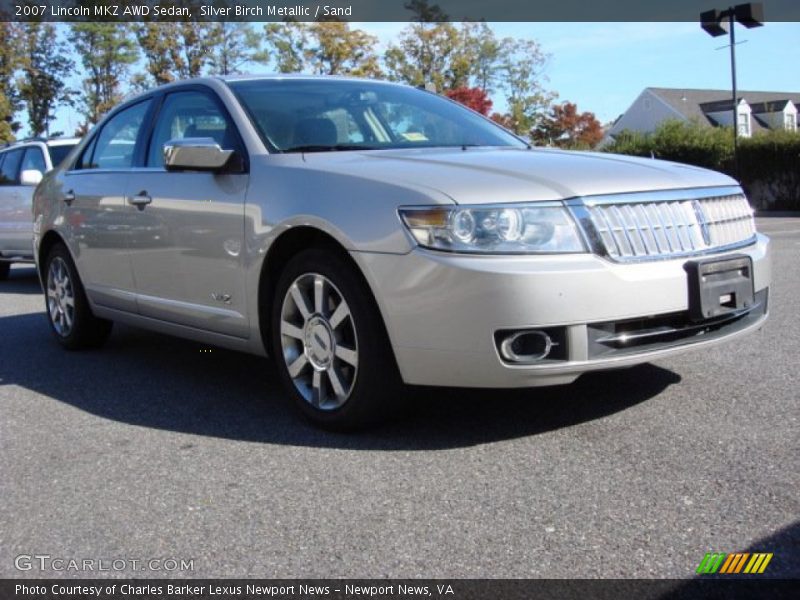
[442,311]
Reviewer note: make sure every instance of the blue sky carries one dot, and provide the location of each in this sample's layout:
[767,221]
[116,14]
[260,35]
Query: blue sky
[602,67]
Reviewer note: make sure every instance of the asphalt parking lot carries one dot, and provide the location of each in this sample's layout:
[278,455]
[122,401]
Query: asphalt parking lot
[151,448]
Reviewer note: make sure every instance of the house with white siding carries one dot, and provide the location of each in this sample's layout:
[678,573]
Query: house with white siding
[755,111]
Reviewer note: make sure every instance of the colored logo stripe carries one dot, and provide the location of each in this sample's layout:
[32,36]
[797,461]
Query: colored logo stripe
[734,563]
[758,563]
[731,564]
[711,562]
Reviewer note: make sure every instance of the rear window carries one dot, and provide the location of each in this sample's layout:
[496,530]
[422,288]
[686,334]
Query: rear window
[59,153]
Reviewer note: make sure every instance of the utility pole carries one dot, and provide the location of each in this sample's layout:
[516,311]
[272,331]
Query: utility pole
[719,22]
[735,106]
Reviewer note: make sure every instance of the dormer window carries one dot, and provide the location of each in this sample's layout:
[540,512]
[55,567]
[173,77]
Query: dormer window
[744,123]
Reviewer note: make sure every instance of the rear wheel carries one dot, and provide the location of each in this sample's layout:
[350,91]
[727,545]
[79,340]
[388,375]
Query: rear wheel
[5,267]
[68,311]
[330,343]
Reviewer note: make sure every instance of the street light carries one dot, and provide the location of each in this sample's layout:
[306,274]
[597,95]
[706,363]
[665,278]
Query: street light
[719,22]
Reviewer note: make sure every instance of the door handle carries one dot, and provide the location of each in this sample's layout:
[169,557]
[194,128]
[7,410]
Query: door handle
[140,200]
[69,198]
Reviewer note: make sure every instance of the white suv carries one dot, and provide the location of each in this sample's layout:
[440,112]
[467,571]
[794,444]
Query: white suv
[22,166]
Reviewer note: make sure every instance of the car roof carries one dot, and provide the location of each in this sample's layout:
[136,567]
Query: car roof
[225,79]
[296,76]
[64,141]
[60,141]
[217,80]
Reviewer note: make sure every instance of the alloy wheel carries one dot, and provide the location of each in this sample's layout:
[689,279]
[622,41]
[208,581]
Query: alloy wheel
[319,341]
[60,297]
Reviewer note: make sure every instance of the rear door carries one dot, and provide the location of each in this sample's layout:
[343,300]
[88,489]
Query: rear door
[186,244]
[16,237]
[98,223]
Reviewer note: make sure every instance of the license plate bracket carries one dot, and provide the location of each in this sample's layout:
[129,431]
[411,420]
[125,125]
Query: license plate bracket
[719,286]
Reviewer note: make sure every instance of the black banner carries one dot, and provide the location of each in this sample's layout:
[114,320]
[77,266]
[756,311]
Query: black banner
[376,10]
[377,589]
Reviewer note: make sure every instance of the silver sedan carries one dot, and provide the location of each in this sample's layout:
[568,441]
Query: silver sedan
[368,234]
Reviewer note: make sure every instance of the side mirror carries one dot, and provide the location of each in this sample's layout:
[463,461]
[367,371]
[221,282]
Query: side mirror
[195,154]
[30,177]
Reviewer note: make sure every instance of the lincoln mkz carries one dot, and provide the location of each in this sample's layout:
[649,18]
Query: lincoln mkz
[367,234]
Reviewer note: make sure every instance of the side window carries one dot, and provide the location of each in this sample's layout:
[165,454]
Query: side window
[59,153]
[189,115]
[33,160]
[117,140]
[85,161]
[9,170]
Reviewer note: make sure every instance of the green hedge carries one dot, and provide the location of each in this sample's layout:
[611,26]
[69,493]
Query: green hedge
[769,162]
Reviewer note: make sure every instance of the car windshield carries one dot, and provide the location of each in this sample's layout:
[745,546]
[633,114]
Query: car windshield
[317,115]
[59,153]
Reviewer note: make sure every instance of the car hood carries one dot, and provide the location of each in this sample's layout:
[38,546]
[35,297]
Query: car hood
[491,175]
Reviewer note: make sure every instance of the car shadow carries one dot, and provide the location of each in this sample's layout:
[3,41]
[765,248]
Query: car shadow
[156,381]
[22,279]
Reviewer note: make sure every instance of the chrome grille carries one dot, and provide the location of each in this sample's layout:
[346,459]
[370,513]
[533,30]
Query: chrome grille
[651,229]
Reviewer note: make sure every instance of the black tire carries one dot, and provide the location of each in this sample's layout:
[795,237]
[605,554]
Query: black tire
[5,267]
[84,330]
[374,385]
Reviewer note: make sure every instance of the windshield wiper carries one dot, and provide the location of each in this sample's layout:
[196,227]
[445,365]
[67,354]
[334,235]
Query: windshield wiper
[328,148]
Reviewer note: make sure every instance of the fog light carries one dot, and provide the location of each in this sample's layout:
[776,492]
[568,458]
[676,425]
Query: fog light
[526,346]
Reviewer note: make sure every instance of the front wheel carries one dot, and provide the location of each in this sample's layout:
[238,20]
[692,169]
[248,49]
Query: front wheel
[68,311]
[330,343]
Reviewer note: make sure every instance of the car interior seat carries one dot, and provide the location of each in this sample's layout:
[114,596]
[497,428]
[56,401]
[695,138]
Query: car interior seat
[315,132]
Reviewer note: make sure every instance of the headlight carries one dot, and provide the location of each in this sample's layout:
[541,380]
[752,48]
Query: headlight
[501,229]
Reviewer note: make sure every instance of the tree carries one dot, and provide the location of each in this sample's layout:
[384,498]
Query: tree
[433,50]
[488,51]
[45,66]
[177,49]
[425,12]
[474,98]
[289,41]
[107,51]
[428,53]
[424,51]
[232,45]
[160,45]
[194,52]
[9,62]
[565,127]
[324,48]
[504,120]
[463,57]
[522,70]
[172,51]
[690,142]
[338,50]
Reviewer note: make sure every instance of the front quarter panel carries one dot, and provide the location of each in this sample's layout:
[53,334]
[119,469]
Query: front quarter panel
[359,212]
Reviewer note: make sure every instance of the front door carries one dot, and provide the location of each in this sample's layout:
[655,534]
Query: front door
[96,220]
[186,245]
